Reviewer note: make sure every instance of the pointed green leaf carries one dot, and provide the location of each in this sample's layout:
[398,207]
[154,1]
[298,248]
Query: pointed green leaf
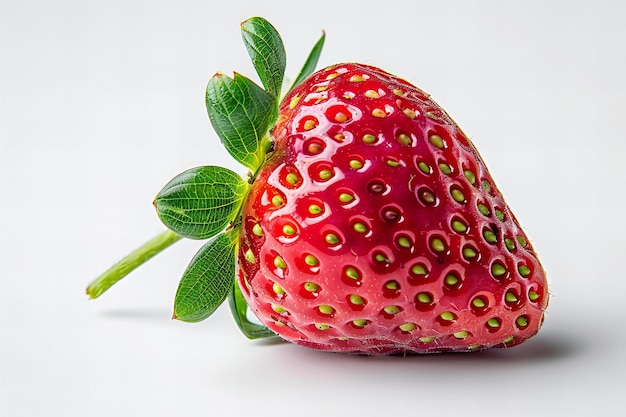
[208,279]
[311,62]
[240,112]
[239,309]
[200,202]
[266,51]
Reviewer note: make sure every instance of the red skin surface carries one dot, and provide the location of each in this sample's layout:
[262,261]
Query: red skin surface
[326,156]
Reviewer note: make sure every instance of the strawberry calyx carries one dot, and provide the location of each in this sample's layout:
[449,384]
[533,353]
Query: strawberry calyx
[205,202]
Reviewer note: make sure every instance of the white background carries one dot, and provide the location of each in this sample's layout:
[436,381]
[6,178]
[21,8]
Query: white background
[102,102]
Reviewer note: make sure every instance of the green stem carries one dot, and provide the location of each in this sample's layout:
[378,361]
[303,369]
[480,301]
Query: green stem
[131,261]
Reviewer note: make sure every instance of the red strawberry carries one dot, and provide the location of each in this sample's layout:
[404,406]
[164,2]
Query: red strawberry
[368,222]
[375,227]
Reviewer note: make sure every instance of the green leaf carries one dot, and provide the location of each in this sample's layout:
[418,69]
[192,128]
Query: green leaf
[266,51]
[239,309]
[201,202]
[311,62]
[208,279]
[240,112]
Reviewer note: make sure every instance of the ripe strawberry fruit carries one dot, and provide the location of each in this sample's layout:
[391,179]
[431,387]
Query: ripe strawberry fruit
[375,227]
[369,222]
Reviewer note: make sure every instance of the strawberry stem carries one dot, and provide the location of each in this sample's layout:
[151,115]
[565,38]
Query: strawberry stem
[131,261]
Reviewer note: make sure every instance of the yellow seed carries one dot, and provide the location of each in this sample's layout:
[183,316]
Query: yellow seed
[321,88]
[404,242]
[380,113]
[277,201]
[309,124]
[331,239]
[249,256]
[331,76]
[315,209]
[359,323]
[326,309]
[436,141]
[348,95]
[352,273]
[407,327]
[426,339]
[357,79]
[278,290]
[278,309]
[288,230]
[322,326]
[356,299]
[257,230]
[424,298]
[493,323]
[341,117]
[404,139]
[340,137]
[368,138]
[355,164]
[398,92]
[409,113]
[294,102]
[311,260]
[447,316]
[292,178]
[391,309]
[461,335]
[372,94]
[345,197]
[325,174]
[279,262]
[311,287]
[437,245]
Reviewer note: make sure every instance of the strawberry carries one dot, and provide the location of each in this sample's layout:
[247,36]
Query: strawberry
[375,227]
[368,223]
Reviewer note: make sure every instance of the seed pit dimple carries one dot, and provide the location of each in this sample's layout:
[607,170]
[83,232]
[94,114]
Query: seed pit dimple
[437,141]
[493,324]
[313,146]
[378,187]
[309,290]
[470,253]
[338,113]
[512,299]
[523,270]
[418,273]
[356,162]
[356,302]
[457,194]
[499,271]
[490,236]
[391,214]
[391,289]
[452,282]
[426,196]
[459,225]
[424,167]
[446,318]
[390,311]
[307,123]
[479,305]
[347,197]
[351,276]
[437,245]
[321,171]
[522,322]
[424,301]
